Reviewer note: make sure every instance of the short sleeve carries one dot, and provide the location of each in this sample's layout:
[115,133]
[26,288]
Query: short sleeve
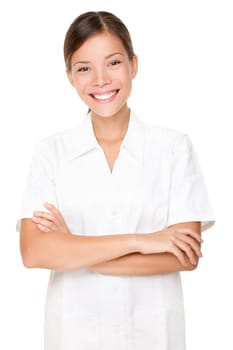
[189,198]
[40,185]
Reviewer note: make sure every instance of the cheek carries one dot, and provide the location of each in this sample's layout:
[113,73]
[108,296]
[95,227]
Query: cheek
[128,80]
[81,83]
[124,77]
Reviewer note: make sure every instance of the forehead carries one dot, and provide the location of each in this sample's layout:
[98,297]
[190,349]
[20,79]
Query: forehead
[101,44]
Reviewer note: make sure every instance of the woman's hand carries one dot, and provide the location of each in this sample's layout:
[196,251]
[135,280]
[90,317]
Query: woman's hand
[182,242]
[50,221]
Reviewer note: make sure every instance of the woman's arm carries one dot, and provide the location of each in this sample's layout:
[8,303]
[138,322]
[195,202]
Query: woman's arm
[65,251]
[149,264]
[137,264]
[46,242]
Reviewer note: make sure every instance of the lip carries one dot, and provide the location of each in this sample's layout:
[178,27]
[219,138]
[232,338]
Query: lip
[104,96]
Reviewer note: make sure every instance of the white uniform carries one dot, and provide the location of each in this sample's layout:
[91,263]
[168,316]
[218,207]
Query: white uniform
[156,182]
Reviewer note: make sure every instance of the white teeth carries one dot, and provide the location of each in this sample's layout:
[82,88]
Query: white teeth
[105,96]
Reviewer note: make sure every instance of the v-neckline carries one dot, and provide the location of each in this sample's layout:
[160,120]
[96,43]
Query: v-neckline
[112,169]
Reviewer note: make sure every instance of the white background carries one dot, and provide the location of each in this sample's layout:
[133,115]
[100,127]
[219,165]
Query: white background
[185,81]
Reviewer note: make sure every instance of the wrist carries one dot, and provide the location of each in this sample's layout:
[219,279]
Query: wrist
[138,241]
[148,243]
[134,243]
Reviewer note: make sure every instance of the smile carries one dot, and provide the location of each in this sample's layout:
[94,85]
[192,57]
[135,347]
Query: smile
[105,97]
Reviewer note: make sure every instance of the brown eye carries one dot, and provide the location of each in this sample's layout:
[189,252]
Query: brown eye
[83,69]
[115,63]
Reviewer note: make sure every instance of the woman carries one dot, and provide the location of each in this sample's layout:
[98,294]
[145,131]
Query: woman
[125,206]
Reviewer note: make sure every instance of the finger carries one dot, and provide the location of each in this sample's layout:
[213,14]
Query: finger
[43,214]
[191,233]
[46,223]
[192,243]
[185,248]
[179,254]
[43,228]
[57,214]
[52,208]
[47,216]
[58,218]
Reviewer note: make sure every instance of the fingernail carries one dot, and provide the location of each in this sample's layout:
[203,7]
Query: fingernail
[47,204]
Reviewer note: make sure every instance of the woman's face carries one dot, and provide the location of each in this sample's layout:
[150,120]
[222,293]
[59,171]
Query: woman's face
[102,74]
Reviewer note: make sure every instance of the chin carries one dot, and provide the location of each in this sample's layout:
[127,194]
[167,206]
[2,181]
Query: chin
[109,111]
[105,113]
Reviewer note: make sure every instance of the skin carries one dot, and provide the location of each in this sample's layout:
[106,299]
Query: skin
[102,74]
[101,65]
[143,263]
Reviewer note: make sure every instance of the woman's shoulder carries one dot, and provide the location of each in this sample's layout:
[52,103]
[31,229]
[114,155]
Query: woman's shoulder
[61,135]
[163,134]
[60,142]
[155,131]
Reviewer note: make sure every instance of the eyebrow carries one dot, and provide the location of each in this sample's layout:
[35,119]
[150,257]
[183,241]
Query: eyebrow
[107,57]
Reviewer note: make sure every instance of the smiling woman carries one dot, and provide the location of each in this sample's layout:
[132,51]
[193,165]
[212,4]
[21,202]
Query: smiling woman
[103,79]
[127,204]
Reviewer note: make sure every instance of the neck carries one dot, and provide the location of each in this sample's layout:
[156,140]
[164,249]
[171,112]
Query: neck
[111,128]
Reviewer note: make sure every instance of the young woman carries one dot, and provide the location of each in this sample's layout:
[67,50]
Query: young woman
[125,204]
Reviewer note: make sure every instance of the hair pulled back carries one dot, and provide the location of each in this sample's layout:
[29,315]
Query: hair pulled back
[91,23]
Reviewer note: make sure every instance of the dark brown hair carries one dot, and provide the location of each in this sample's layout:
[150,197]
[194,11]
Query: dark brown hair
[91,23]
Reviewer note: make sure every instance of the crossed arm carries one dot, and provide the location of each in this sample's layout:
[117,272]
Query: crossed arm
[47,243]
[150,264]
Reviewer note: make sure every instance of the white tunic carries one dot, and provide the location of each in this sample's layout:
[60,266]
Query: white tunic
[156,182]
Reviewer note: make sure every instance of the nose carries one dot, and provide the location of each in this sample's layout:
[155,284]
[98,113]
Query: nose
[101,78]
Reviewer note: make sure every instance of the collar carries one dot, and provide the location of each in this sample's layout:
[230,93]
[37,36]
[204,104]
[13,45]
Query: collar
[82,139]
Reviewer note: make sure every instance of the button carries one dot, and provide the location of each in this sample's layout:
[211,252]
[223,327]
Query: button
[114,213]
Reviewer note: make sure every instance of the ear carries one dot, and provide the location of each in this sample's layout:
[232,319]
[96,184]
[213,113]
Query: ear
[134,64]
[69,76]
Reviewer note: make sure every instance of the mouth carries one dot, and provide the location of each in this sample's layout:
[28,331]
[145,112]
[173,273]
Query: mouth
[105,97]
